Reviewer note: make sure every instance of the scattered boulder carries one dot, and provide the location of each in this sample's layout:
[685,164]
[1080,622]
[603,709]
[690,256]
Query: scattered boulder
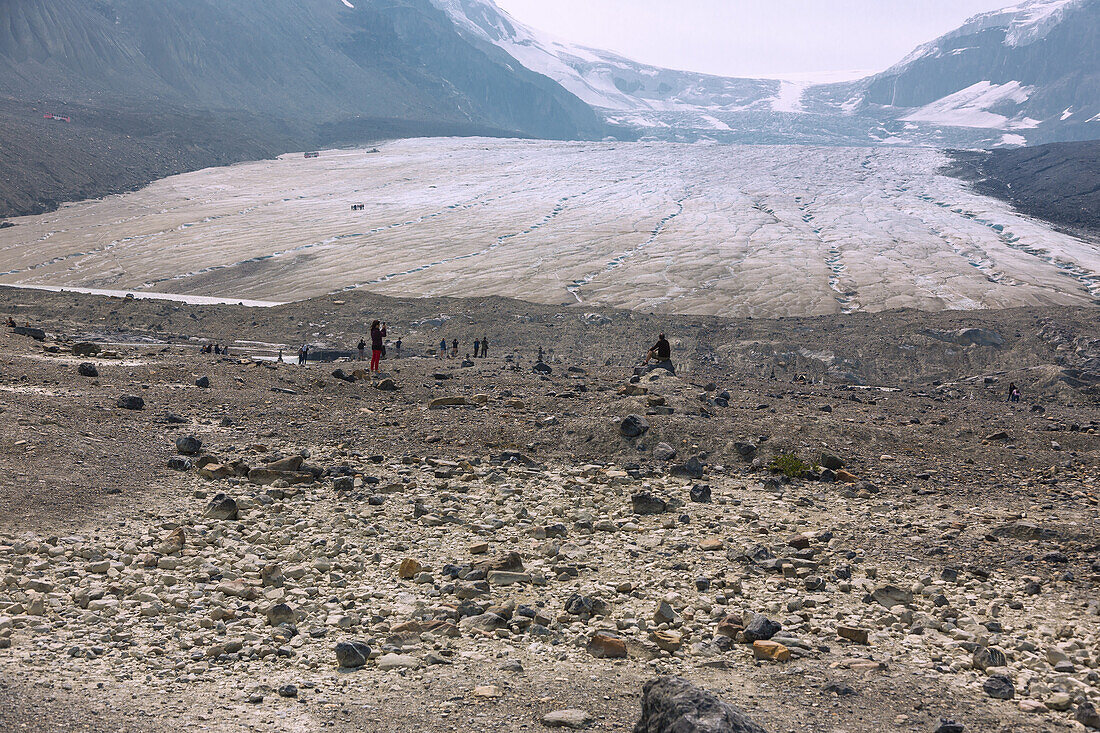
[222,507]
[131,402]
[889,596]
[761,628]
[831,462]
[674,705]
[605,645]
[542,368]
[700,493]
[86,348]
[999,687]
[352,654]
[203,382]
[87,369]
[633,426]
[280,613]
[441,402]
[645,503]
[693,467]
[977,337]
[386,385]
[35,333]
[1087,715]
[188,445]
[570,718]
[986,657]
[664,452]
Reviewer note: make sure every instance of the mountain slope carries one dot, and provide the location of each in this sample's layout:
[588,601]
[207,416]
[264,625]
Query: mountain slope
[1030,72]
[155,87]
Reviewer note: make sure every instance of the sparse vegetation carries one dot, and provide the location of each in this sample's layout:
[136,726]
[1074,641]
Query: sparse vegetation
[789,464]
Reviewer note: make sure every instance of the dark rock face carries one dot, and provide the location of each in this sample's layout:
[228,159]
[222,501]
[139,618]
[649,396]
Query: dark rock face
[1059,183]
[674,705]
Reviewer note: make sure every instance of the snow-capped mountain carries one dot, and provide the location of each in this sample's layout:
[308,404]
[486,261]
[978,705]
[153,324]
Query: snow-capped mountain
[625,91]
[1027,73]
[1030,72]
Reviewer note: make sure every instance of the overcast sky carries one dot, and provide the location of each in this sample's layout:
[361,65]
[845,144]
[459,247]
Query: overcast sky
[753,37]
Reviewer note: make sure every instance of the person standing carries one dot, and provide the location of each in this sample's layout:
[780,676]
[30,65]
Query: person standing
[484,347]
[442,348]
[397,348]
[377,336]
[477,348]
[454,349]
[362,350]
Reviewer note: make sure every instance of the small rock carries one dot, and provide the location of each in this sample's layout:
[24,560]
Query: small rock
[202,382]
[280,614]
[664,452]
[700,493]
[87,369]
[1087,715]
[397,661]
[570,718]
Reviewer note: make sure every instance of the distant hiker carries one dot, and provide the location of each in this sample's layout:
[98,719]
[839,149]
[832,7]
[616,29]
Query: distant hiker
[454,349]
[661,354]
[217,349]
[477,348]
[280,356]
[1013,392]
[225,351]
[541,353]
[397,346]
[303,354]
[484,347]
[377,336]
[362,349]
[443,348]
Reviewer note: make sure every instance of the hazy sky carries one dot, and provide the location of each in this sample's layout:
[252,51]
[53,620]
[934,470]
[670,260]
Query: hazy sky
[752,37]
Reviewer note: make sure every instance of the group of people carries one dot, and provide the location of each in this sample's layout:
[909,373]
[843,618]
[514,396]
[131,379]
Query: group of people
[481,348]
[215,349]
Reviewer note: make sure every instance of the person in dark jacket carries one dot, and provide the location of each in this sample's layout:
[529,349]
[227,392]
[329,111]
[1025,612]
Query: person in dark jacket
[377,337]
[477,348]
[661,354]
[484,347]
[362,349]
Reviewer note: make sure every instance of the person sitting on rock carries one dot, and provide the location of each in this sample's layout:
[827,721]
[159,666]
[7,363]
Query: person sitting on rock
[11,322]
[661,354]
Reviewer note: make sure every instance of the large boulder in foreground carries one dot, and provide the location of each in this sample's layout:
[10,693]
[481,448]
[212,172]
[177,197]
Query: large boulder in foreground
[674,705]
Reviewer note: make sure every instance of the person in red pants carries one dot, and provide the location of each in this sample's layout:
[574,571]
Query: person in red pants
[377,334]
